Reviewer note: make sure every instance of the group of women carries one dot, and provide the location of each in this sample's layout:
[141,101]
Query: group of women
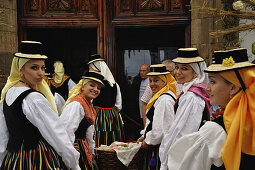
[34,136]
[178,134]
[169,117]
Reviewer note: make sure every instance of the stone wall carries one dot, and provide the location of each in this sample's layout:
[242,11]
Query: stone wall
[201,25]
[8,37]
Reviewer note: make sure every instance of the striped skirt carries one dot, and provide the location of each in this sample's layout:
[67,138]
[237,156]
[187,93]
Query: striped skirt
[42,158]
[83,161]
[151,158]
[108,126]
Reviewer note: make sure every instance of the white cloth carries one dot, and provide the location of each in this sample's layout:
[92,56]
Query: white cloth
[143,85]
[147,95]
[60,101]
[39,112]
[71,117]
[102,67]
[162,120]
[198,150]
[202,77]
[187,120]
[71,84]
[178,88]
[126,154]
[118,103]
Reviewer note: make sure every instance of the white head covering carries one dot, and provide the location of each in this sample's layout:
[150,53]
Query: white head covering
[202,77]
[104,70]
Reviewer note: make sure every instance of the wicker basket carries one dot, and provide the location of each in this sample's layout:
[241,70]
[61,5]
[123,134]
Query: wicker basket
[109,160]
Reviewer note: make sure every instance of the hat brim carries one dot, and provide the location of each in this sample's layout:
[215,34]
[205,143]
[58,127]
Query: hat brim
[188,60]
[98,59]
[157,73]
[221,68]
[30,56]
[93,78]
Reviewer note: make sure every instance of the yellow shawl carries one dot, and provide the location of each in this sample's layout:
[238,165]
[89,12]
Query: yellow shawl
[14,78]
[239,119]
[170,85]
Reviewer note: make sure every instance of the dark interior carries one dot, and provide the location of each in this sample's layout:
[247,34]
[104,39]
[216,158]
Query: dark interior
[71,46]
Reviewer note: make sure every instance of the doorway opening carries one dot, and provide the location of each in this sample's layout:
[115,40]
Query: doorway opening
[71,46]
[137,46]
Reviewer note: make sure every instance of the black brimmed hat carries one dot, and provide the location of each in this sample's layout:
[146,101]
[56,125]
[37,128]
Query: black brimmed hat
[229,60]
[187,55]
[158,69]
[93,75]
[95,57]
[31,50]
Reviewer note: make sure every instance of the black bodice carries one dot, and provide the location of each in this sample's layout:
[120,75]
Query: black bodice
[21,130]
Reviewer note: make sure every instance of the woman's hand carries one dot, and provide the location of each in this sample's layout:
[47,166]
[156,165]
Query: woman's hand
[144,145]
[76,146]
[140,139]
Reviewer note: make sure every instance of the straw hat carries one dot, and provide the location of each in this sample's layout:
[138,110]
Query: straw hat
[92,75]
[157,69]
[229,60]
[187,55]
[95,57]
[31,50]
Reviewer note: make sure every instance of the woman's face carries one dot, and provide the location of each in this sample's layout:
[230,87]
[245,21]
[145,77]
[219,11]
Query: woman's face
[91,90]
[184,73]
[33,72]
[218,89]
[156,83]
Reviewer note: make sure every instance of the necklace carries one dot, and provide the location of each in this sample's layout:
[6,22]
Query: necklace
[25,83]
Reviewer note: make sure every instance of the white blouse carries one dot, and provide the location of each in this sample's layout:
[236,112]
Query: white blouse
[118,103]
[60,101]
[162,120]
[198,150]
[71,84]
[71,117]
[188,118]
[39,112]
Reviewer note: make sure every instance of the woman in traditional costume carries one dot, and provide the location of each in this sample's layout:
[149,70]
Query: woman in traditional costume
[31,134]
[79,116]
[60,84]
[192,106]
[160,113]
[109,124]
[226,142]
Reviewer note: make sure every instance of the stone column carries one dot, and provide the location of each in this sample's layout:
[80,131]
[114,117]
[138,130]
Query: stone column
[8,37]
[201,25]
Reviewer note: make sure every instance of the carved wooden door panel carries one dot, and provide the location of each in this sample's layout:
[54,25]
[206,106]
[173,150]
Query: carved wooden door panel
[68,28]
[59,8]
[143,7]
